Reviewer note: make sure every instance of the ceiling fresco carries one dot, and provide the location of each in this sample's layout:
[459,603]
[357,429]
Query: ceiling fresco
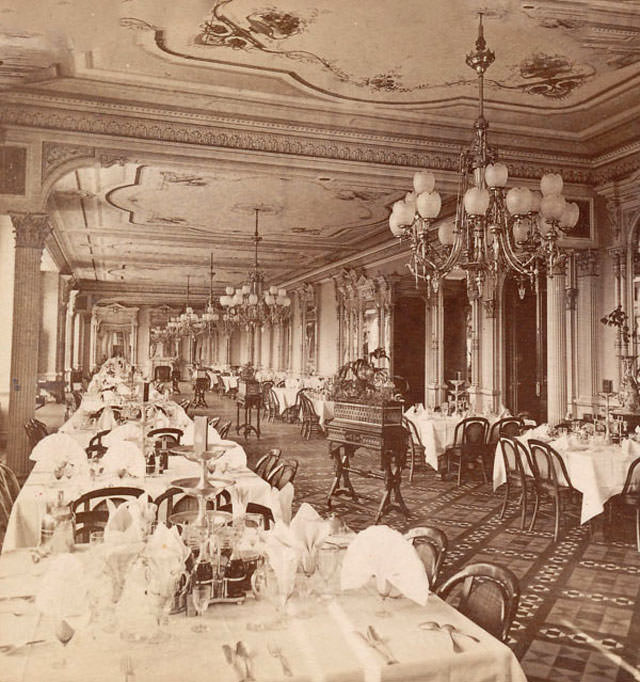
[401,52]
[156,225]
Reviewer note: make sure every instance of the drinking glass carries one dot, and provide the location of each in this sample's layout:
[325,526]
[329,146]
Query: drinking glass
[266,587]
[384,590]
[64,633]
[200,594]
[327,567]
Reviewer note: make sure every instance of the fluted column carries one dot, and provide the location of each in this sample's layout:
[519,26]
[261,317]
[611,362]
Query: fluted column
[258,347]
[31,230]
[68,334]
[93,341]
[588,328]
[491,356]
[556,346]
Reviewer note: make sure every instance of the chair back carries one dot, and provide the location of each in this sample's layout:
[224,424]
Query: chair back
[213,422]
[266,463]
[167,436]
[96,439]
[413,431]
[274,403]
[308,410]
[9,489]
[514,456]
[508,426]
[257,509]
[486,593]
[34,432]
[632,481]
[471,431]
[91,512]
[223,431]
[547,466]
[174,500]
[283,473]
[430,544]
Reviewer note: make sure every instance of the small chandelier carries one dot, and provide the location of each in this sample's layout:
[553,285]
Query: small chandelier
[211,314]
[495,229]
[251,306]
[187,323]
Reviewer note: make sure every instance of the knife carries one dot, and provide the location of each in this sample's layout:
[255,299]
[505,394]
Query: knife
[375,647]
[372,633]
[230,655]
[243,652]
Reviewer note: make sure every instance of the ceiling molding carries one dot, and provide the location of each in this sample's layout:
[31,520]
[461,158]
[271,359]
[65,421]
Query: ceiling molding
[416,153]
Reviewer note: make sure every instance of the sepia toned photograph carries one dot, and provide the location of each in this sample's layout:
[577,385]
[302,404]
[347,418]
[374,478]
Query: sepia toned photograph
[320,335]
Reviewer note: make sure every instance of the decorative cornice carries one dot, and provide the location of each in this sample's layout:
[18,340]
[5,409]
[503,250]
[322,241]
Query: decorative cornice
[55,154]
[293,140]
[31,229]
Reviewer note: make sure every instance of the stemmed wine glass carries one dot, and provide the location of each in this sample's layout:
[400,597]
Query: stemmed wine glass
[200,594]
[266,586]
[327,566]
[384,590]
[64,633]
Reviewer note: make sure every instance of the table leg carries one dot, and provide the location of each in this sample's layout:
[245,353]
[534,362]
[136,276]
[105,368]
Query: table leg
[341,483]
[392,466]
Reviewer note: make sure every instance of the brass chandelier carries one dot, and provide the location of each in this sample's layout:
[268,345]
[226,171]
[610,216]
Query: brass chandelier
[250,305]
[495,230]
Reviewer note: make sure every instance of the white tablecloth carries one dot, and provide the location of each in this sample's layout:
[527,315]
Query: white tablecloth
[324,409]
[324,647]
[286,397]
[229,382]
[598,472]
[23,529]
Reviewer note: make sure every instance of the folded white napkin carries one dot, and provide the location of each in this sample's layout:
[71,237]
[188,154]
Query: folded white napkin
[130,521]
[239,500]
[419,408]
[280,503]
[384,553]
[128,431]
[57,450]
[165,553]
[63,588]
[309,530]
[124,455]
[540,432]
[284,554]
[106,421]
[187,437]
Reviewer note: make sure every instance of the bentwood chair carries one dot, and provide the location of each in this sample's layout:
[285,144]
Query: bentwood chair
[223,431]
[514,459]
[283,473]
[415,448]
[508,426]
[35,431]
[486,593]
[430,544]
[552,483]
[9,489]
[91,512]
[629,497]
[469,446]
[175,500]
[310,418]
[167,436]
[265,465]
[273,405]
[213,422]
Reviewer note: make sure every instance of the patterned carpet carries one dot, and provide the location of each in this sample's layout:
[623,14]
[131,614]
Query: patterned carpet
[577,619]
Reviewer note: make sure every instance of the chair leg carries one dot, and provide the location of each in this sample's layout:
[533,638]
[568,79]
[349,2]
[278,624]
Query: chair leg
[483,469]
[536,504]
[523,501]
[556,525]
[411,465]
[460,461]
[506,498]
[638,528]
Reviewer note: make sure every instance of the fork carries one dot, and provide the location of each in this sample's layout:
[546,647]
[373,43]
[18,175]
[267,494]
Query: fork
[276,652]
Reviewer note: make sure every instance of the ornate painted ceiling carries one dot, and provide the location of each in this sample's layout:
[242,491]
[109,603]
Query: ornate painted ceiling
[315,111]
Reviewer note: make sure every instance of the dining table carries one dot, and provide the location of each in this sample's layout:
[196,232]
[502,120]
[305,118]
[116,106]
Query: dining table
[317,641]
[41,487]
[596,468]
[286,397]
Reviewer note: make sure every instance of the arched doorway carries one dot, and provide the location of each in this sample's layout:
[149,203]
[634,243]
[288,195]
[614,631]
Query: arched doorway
[525,349]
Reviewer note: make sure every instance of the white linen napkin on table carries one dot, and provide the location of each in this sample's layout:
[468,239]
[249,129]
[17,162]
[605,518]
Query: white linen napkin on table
[309,530]
[59,449]
[187,436]
[540,432]
[384,553]
[63,588]
[127,431]
[130,521]
[284,554]
[124,456]
[106,421]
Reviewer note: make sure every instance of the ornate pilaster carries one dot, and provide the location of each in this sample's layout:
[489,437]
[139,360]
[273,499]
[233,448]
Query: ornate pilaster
[556,346]
[588,328]
[31,230]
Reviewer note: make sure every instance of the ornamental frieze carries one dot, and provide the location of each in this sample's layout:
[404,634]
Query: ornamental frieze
[379,151]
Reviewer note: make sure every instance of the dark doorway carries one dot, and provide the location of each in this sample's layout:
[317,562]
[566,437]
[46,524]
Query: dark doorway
[409,345]
[457,330]
[525,338]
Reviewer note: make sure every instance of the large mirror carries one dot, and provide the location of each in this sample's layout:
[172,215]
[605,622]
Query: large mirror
[307,298]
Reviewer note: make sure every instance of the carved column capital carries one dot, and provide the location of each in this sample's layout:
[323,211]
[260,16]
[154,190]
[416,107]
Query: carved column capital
[489,307]
[31,229]
[587,262]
